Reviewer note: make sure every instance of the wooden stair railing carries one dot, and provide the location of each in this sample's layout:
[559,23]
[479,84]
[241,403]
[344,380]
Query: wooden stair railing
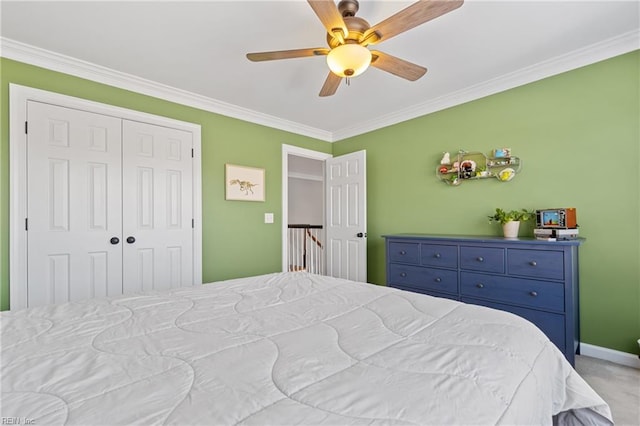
[305,248]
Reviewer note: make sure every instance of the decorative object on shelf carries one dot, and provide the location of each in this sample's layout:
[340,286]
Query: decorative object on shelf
[446,159]
[481,171]
[476,165]
[467,169]
[502,152]
[244,183]
[506,174]
[510,220]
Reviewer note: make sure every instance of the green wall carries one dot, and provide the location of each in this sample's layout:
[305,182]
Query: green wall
[577,134]
[235,240]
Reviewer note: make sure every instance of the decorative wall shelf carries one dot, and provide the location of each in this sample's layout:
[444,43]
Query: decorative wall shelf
[466,166]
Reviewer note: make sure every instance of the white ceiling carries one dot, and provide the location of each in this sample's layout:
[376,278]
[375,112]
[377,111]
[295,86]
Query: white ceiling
[195,52]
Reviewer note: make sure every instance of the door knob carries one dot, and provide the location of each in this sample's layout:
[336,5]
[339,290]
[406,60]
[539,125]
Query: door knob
[360,235]
[114,240]
[131,240]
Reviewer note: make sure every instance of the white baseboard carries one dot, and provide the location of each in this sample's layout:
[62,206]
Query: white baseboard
[618,357]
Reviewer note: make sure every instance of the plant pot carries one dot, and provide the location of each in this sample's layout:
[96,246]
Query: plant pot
[510,229]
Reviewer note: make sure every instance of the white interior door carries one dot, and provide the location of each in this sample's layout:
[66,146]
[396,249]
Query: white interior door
[158,207]
[346,216]
[73,204]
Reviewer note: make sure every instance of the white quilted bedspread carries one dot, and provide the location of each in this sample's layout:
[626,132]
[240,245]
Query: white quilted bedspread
[284,349]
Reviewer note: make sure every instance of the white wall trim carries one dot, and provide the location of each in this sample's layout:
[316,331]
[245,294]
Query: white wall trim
[618,357]
[18,98]
[32,55]
[597,52]
[305,176]
[594,53]
[300,152]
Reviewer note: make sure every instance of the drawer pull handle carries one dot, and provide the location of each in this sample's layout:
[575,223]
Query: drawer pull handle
[480,285]
[533,263]
[438,279]
[437,255]
[480,259]
[403,274]
[533,293]
[402,252]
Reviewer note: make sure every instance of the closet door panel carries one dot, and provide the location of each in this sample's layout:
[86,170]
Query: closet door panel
[73,204]
[157,207]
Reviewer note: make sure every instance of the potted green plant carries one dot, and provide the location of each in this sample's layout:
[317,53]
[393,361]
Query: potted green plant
[510,220]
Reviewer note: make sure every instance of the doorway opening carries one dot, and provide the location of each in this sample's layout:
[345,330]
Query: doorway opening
[343,207]
[303,206]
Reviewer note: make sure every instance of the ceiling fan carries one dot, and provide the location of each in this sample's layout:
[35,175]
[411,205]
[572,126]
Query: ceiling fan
[348,37]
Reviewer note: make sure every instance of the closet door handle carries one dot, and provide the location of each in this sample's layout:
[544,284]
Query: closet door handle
[114,240]
[131,240]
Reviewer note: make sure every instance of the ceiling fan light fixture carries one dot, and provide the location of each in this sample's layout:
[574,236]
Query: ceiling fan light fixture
[349,60]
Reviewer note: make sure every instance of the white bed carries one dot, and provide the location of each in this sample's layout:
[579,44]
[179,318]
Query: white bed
[289,348]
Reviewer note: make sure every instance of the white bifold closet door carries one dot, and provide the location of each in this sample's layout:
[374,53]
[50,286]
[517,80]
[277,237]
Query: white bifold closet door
[109,205]
[74,204]
[157,207]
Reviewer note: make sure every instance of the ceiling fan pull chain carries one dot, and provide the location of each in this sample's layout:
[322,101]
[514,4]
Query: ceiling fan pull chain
[347,80]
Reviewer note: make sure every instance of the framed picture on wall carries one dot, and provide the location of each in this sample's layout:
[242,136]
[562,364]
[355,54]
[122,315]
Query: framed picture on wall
[244,183]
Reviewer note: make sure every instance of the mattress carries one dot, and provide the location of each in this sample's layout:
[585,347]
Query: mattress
[285,348]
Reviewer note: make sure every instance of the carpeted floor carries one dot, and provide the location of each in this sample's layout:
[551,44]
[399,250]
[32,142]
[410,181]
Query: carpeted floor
[617,384]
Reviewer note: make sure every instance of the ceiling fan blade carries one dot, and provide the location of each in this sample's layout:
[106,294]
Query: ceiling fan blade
[330,84]
[330,17]
[286,54]
[416,14]
[396,66]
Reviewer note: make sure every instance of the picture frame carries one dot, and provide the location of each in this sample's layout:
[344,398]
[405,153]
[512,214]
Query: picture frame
[244,183]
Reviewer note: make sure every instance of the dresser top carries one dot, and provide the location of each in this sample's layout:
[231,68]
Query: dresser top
[484,239]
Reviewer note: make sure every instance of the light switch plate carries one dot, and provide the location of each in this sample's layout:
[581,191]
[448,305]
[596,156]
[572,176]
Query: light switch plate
[268,218]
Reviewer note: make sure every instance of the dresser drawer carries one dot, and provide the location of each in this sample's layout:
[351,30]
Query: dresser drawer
[439,255]
[404,252]
[428,292]
[486,259]
[536,263]
[415,277]
[553,325]
[517,291]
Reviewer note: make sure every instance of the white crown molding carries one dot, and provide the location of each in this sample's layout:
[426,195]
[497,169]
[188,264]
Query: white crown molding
[32,55]
[597,52]
[22,52]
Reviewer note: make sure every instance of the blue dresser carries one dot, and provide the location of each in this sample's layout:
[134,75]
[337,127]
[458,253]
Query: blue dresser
[537,280]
